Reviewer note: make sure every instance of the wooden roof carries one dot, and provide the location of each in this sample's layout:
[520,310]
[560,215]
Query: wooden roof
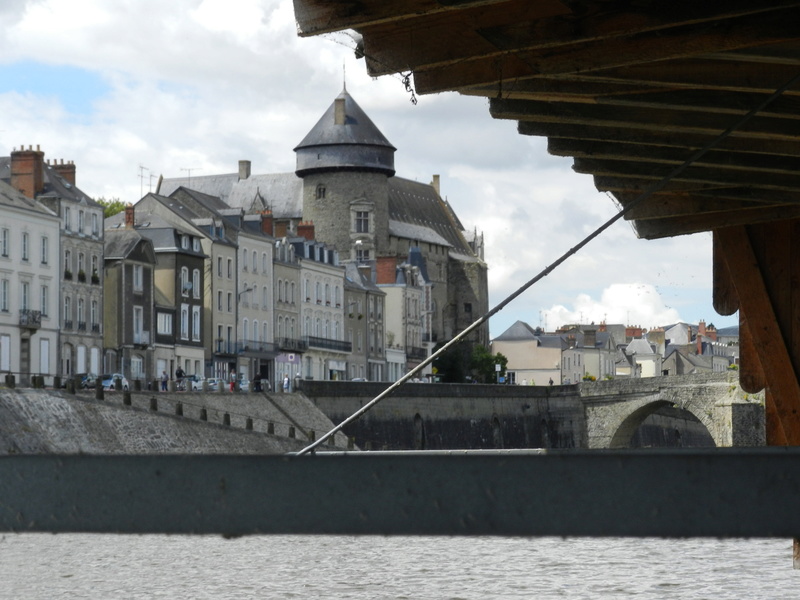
[629,89]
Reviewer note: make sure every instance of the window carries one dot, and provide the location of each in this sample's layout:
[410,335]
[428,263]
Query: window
[136,367]
[25,246]
[4,295]
[81,311]
[219,301]
[255,262]
[245,329]
[81,222]
[5,238]
[185,321]
[321,191]
[244,259]
[196,323]
[230,302]
[95,226]
[68,262]
[362,221]
[185,284]
[196,244]
[263,262]
[362,255]
[45,250]
[196,283]
[67,218]
[25,289]
[138,324]
[265,331]
[291,293]
[81,263]
[164,323]
[280,291]
[219,266]
[185,242]
[44,300]
[68,311]
[264,297]
[93,314]
[230,268]
[94,266]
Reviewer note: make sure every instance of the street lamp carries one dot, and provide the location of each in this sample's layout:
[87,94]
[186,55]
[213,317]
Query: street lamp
[242,293]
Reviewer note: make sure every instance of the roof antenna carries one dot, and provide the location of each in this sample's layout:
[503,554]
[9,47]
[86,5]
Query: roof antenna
[344,76]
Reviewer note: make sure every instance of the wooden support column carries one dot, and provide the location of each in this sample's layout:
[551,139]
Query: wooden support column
[760,266]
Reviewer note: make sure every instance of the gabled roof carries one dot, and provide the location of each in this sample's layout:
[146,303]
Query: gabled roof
[519,331]
[639,346]
[9,197]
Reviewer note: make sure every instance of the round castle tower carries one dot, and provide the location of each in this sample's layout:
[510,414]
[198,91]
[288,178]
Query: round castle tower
[345,163]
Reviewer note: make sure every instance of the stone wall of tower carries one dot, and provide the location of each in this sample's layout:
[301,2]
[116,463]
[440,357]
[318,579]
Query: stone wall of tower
[331,201]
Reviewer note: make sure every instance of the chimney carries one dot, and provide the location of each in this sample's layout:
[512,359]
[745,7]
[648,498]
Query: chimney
[27,171]
[699,344]
[386,266]
[339,115]
[590,338]
[244,169]
[435,184]
[365,271]
[711,332]
[66,170]
[130,217]
[701,328]
[266,222]
[305,229]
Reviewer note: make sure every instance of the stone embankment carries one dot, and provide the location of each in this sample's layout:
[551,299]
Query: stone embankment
[35,421]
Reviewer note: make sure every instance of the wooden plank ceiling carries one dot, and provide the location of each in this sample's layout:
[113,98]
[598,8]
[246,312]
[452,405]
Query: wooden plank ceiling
[628,89]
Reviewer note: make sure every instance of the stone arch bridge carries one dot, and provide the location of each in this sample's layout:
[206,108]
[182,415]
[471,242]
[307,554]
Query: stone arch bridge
[601,414]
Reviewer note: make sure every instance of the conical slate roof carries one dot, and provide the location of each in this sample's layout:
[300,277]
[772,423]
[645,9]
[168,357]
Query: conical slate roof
[345,139]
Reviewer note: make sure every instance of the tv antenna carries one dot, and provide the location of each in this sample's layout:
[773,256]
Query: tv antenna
[142,169]
[189,173]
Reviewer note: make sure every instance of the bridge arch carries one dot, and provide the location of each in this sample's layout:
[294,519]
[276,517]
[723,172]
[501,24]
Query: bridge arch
[621,438]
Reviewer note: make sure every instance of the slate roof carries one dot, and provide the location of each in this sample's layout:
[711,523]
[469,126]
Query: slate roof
[119,243]
[54,184]
[639,346]
[14,198]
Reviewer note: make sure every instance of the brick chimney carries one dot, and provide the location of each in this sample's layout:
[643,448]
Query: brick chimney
[27,171]
[130,217]
[305,229]
[711,332]
[244,169]
[699,339]
[339,115]
[701,328]
[266,222]
[435,184]
[66,170]
[385,269]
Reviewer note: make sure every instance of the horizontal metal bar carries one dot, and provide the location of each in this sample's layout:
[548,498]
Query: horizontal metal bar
[721,493]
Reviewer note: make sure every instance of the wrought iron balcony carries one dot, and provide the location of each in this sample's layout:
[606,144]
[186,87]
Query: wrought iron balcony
[81,325]
[328,344]
[416,353]
[223,347]
[32,319]
[256,346]
[292,345]
[141,337]
[95,327]
[67,325]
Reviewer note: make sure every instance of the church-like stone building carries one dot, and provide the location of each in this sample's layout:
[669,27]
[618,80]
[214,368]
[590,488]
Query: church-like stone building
[345,190]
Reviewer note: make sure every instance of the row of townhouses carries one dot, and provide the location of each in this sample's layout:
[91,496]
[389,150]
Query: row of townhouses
[339,270]
[578,353]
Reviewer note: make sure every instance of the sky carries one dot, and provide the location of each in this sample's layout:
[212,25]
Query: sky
[134,89]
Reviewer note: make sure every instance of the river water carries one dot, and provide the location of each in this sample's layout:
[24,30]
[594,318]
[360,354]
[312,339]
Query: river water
[45,566]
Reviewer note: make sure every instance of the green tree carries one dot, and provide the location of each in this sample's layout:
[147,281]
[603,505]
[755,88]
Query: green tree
[451,367]
[482,364]
[111,206]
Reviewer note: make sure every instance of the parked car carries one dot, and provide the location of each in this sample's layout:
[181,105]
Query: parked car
[359,379]
[213,384]
[109,381]
[88,380]
[193,382]
[244,385]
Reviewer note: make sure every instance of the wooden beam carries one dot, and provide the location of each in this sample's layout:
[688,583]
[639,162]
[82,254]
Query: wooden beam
[707,175]
[576,55]
[652,120]
[680,139]
[660,206]
[668,227]
[768,337]
[725,299]
[315,17]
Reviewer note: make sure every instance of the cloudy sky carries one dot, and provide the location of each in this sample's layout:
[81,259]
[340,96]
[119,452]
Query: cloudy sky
[134,89]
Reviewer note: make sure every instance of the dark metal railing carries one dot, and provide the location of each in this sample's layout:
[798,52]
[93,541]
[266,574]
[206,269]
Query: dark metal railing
[328,344]
[30,318]
[292,345]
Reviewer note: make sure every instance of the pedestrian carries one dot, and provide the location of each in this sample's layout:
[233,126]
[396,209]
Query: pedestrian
[551,381]
[164,380]
[285,383]
[233,380]
[179,377]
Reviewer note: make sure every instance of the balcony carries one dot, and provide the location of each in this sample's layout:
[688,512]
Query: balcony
[141,338]
[95,327]
[32,319]
[416,353]
[328,344]
[256,347]
[81,325]
[292,345]
[223,347]
[67,325]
